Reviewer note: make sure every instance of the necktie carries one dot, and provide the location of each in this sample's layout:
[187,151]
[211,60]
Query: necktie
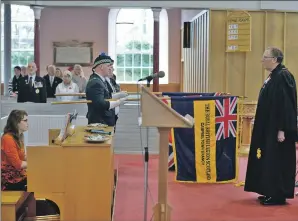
[52,79]
[30,84]
[109,87]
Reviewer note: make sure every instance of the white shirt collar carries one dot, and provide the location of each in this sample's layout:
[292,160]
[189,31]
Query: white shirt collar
[33,76]
[107,79]
[110,83]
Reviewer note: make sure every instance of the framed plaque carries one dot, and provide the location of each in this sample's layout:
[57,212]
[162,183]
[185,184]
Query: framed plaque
[73,52]
[238,32]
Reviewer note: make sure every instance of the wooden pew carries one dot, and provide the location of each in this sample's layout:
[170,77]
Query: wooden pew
[77,176]
[17,205]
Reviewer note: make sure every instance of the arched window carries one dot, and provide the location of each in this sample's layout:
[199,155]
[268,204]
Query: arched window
[22,36]
[131,43]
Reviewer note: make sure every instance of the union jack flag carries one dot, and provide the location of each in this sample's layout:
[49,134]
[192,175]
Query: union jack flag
[226,117]
[171,162]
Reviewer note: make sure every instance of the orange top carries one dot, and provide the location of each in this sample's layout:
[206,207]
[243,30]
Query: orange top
[11,160]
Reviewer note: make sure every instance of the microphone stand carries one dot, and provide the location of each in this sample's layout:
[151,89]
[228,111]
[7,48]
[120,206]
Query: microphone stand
[146,159]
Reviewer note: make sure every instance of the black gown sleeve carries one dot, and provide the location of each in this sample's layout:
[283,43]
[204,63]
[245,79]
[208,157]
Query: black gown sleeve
[286,102]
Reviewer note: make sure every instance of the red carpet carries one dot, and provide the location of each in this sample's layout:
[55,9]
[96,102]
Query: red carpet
[191,202]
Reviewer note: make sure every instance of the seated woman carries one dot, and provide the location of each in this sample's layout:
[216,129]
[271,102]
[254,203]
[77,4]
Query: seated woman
[67,87]
[13,158]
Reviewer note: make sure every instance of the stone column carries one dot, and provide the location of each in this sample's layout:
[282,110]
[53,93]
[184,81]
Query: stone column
[37,13]
[156,13]
[7,47]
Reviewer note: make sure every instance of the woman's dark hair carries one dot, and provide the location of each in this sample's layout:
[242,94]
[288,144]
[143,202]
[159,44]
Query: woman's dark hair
[14,118]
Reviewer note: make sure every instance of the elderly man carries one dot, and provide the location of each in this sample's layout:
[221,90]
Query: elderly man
[51,81]
[32,88]
[101,110]
[272,158]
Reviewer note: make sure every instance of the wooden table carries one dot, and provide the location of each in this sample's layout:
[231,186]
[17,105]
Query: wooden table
[77,176]
[15,204]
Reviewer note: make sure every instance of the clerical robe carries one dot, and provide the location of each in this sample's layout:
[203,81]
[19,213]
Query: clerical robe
[271,164]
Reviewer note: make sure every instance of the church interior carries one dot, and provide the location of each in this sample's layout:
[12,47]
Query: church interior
[177,63]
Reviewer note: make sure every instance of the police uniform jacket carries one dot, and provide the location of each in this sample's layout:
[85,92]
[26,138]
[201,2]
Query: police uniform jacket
[35,92]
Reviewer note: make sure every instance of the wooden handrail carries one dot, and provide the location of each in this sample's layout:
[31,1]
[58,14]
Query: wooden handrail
[84,94]
[72,102]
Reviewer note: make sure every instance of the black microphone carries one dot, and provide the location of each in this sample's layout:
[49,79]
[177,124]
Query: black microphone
[159,74]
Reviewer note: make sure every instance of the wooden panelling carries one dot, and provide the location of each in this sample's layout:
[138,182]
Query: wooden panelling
[171,87]
[242,73]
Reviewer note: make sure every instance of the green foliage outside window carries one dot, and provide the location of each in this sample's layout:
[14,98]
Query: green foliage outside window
[136,62]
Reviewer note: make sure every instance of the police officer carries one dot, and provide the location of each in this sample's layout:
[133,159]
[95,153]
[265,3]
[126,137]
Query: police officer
[100,110]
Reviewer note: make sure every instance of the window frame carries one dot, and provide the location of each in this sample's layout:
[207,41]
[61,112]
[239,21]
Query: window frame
[164,47]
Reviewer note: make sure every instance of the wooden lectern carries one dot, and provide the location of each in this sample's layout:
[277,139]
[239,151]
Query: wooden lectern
[155,113]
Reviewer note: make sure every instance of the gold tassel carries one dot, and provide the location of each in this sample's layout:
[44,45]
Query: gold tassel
[240,184]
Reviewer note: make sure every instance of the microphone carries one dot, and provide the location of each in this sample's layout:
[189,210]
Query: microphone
[159,74]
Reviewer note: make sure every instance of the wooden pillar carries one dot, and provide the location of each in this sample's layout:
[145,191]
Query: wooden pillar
[7,47]
[156,13]
[37,13]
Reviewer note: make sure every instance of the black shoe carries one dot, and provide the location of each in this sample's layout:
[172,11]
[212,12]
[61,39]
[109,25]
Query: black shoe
[270,201]
[262,198]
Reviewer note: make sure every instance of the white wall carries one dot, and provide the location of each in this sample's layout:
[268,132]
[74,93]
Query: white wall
[238,5]
[188,15]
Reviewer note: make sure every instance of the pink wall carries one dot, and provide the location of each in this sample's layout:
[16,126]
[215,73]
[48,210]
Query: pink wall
[91,24]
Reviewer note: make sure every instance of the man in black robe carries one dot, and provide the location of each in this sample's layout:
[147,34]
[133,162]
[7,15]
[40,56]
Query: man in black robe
[272,158]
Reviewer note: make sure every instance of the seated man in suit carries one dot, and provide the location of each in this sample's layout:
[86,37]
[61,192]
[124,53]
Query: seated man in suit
[51,81]
[32,88]
[100,110]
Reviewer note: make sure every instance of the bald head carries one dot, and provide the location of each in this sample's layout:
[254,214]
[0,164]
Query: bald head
[31,68]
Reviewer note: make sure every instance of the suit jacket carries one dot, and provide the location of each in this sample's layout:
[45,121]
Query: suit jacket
[98,110]
[51,90]
[36,93]
[16,82]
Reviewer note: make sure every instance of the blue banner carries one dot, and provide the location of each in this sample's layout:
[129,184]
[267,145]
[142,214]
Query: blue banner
[206,153]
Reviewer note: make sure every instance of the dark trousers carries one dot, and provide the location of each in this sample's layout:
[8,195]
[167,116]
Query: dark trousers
[116,118]
[20,186]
